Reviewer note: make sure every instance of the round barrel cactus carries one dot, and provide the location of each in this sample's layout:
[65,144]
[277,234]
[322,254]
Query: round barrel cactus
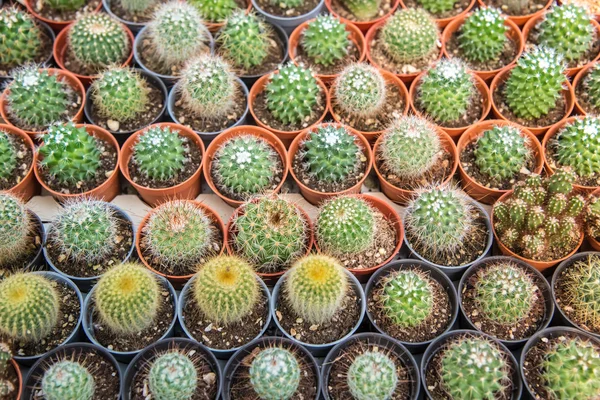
[215,10]
[407,297]
[363,10]
[120,94]
[15,229]
[360,90]
[326,40]
[502,152]
[160,153]
[173,376]
[372,376]
[410,35]
[275,374]
[20,38]
[68,380]
[577,145]
[482,37]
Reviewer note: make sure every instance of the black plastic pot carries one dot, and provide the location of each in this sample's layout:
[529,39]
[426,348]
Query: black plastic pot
[135,27]
[38,260]
[540,281]
[288,24]
[434,273]
[386,343]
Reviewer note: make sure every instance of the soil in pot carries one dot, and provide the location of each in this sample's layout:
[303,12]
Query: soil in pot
[302,57]
[459,7]
[531,7]
[338,7]
[582,96]
[35,243]
[24,160]
[126,15]
[274,8]
[45,11]
[264,115]
[383,61]
[45,52]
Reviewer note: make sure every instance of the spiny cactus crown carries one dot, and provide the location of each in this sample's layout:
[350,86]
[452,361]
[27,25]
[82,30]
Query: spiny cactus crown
[502,152]
[21,37]
[173,376]
[127,298]
[226,289]
[137,7]
[363,10]
[68,380]
[275,374]
[591,86]
[160,153]
[29,306]
[15,229]
[407,297]
[592,217]
[410,35]
[215,10]
[326,40]
[578,146]
[482,37]
[360,90]
[120,94]
[8,156]
[65,5]
[316,287]
[372,376]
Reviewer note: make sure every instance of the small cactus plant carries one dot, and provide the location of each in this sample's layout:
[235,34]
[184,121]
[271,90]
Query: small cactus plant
[326,40]
[137,7]
[577,145]
[437,6]
[173,376]
[275,373]
[407,297]
[592,217]
[215,11]
[8,156]
[68,380]
[360,90]
[65,5]
[372,376]
[21,38]
[15,229]
[591,86]
[482,37]
[363,10]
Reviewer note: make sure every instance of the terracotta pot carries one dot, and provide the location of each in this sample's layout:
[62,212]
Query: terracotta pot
[107,190]
[390,79]
[19,378]
[68,77]
[521,20]
[215,26]
[576,81]
[591,240]
[178,281]
[514,34]
[539,265]
[568,94]
[476,190]
[454,132]
[29,186]
[314,196]
[443,22]
[363,274]
[403,196]
[355,36]
[232,133]
[57,26]
[187,190]
[285,136]
[364,26]
[60,50]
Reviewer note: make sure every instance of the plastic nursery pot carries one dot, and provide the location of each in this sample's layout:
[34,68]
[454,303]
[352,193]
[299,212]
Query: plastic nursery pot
[28,186]
[221,354]
[288,23]
[475,189]
[580,107]
[122,136]
[362,25]
[568,94]
[314,196]
[107,190]
[178,281]
[66,76]
[74,351]
[318,350]
[443,22]
[447,337]
[215,26]
[188,189]
[431,271]
[57,26]
[513,33]
[403,196]
[592,240]
[539,265]
[134,27]
[143,360]
[540,281]
[123,356]
[520,20]
[231,133]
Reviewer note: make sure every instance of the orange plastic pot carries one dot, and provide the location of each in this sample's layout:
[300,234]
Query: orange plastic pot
[108,189]
[29,186]
[568,94]
[472,187]
[521,20]
[67,77]
[178,281]
[513,33]
[591,240]
[233,132]
[576,81]
[56,26]
[316,197]
[364,26]
[215,26]
[17,369]
[443,22]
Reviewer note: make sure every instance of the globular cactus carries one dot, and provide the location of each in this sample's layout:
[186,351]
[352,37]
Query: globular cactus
[70,154]
[372,376]
[591,86]
[410,35]
[20,38]
[271,233]
[275,374]
[15,229]
[482,37]
[326,40]
[502,152]
[137,7]
[29,306]
[292,94]
[173,376]
[577,145]
[437,6]
[363,10]
[315,287]
[215,10]
[345,225]
[360,90]
[127,298]
[160,153]
[64,5]
[120,94]
[592,217]
[8,156]
[446,91]
[535,84]
[68,380]
[226,289]
[407,297]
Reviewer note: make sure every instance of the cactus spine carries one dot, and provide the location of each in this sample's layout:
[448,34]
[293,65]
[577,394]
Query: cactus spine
[360,90]
[482,37]
[120,94]
[407,297]
[68,380]
[326,40]
[15,229]
[173,376]
[160,153]
[372,376]
[577,145]
[275,374]
[20,38]
[502,152]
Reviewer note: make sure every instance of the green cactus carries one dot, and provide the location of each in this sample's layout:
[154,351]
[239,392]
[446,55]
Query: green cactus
[437,6]
[65,5]
[363,10]
[20,38]
[275,374]
[326,40]
[7,388]
[29,306]
[15,229]
[410,35]
[271,233]
[173,376]
[591,86]
[360,90]
[502,152]
[138,7]
[292,94]
[407,297]
[226,289]
[216,11]
[68,380]
[482,37]
[160,153]
[535,84]
[8,156]
[592,217]
[127,298]
[372,376]
[70,154]
[577,145]
[315,287]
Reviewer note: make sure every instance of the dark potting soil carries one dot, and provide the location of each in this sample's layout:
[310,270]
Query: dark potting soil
[81,268]
[117,9]
[551,157]
[583,98]
[73,65]
[264,115]
[337,386]
[392,108]
[12,377]
[44,53]
[200,123]
[35,242]
[340,9]
[459,7]
[275,9]
[532,6]
[24,160]
[432,327]
[40,7]
[335,68]
[195,159]
[275,56]
[67,321]
[224,337]
[509,53]
[589,56]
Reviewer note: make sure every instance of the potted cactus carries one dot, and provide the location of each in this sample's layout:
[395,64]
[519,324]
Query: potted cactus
[16,160]
[60,13]
[362,13]
[411,153]
[288,14]
[134,14]
[217,13]
[518,11]
[586,86]
[224,306]
[444,11]
[11,380]
[592,220]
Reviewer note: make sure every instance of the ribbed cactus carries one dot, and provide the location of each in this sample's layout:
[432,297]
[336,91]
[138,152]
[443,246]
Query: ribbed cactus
[315,287]
[275,373]
[226,289]
[271,233]
[363,10]
[20,38]
[437,6]
[173,376]
[360,90]
[137,7]
[64,5]
[68,380]
[15,229]
[326,40]
[127,298]
[577,145]
[120,94]
[482,37]
[160,153]
[8,156]
[372,376]
[215,10]
[502,152]
[410,35]
[292,94]
[29,306]
[591,86]
[407,297]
